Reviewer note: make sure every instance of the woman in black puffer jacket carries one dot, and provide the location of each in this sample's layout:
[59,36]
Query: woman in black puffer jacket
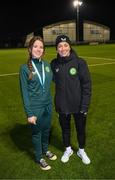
[73,94]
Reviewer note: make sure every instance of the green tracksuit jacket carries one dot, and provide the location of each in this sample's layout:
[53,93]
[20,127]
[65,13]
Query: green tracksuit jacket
[32,90]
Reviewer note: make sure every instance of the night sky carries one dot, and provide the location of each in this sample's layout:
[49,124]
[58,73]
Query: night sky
[20,18]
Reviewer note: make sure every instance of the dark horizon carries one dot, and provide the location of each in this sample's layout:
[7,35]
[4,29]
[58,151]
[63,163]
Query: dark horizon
[19,19]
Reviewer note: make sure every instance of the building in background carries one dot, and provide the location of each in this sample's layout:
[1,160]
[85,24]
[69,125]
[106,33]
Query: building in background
[52,31]
[93,31]
[89,32]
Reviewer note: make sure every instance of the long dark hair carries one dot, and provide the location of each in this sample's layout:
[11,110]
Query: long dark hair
[30,46]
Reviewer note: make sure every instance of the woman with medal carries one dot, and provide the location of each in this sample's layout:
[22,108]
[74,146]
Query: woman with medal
[35,80]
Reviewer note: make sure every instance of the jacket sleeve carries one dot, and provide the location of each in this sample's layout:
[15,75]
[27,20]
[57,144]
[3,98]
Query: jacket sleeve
[24,91]
[85,82]
[52,64]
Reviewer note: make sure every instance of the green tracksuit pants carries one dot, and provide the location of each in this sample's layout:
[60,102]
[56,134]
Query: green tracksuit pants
[40,131]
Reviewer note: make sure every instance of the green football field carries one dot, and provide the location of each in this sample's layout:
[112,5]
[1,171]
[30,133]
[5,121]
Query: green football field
[16,151]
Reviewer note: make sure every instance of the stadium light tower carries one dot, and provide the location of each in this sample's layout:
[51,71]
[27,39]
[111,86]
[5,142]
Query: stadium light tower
[77,4]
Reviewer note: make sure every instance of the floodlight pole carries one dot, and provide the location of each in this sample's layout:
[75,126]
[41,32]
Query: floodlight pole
[77,4]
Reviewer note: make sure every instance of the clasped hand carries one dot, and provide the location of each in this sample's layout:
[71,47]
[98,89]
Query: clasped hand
[32,120]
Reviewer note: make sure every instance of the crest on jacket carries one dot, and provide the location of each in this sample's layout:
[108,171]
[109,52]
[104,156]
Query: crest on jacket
[73,71]
[47,69]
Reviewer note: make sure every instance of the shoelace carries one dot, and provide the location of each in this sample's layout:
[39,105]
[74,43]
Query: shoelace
[84,155]
[49,154]
[43,163]
[66,153]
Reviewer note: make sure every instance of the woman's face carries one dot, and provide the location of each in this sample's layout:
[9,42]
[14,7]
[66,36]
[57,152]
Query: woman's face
[63,49]
[37,49]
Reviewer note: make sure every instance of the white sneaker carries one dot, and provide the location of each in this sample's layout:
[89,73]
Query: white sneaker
[66,156]
[84,157]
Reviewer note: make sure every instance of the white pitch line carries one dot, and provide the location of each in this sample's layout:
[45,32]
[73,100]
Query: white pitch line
[11,74]
[101,64]
[93,57]
[106,59]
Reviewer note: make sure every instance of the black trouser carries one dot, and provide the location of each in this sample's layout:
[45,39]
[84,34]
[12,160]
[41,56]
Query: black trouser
[80,124]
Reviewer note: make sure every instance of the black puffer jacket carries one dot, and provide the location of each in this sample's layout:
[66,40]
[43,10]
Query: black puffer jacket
[73,84]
